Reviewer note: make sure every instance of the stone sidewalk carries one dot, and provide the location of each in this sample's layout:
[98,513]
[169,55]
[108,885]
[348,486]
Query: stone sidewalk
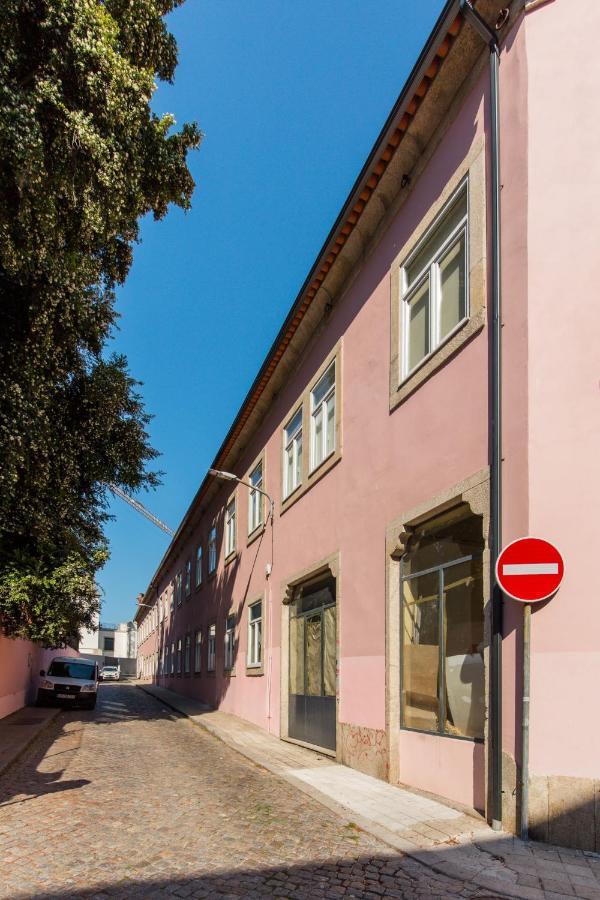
[451,842]
[19,730]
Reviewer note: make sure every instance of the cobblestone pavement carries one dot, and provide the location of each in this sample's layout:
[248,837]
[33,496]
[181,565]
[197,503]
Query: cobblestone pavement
[132,801]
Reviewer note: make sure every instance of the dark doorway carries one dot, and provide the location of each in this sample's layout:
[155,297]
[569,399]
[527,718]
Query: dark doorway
[312,703]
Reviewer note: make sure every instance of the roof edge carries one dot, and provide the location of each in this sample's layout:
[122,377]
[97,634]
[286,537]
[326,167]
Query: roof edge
[415,87]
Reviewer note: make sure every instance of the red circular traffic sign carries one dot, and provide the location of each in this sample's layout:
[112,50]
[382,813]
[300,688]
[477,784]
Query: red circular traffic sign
[530,569]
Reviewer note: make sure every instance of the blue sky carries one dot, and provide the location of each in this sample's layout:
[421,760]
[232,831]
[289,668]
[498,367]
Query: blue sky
[290,97]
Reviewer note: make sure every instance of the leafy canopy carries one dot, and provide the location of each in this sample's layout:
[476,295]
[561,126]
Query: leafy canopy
[82,158]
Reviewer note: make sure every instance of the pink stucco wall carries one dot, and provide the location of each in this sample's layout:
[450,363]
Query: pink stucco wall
[563,413]
[20,663]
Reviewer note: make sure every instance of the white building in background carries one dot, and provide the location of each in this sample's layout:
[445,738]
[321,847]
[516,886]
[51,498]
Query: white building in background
[110,641]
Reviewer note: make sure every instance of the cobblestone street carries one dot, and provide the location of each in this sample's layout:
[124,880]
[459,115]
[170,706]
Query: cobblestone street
[130,800]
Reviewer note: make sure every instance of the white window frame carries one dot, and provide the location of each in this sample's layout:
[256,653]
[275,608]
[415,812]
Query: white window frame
[431,272]
[255,499]
[211,649]
[212,550]
[230,522]
[254,658]
[197,651]
[172,657]
[290,447]
[188,578]
[178,595]
[198,572]
[179,656]
[229,641]
[187,654]
[323,406]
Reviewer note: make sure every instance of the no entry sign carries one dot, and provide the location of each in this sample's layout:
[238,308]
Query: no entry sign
[529,569]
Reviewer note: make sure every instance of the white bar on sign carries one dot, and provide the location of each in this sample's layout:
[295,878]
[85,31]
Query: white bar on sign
[530,569]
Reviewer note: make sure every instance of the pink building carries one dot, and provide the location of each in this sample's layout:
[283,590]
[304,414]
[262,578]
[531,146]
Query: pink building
[360,617]
[20,664]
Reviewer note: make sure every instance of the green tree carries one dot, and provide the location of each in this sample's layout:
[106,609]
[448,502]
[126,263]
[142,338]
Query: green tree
[82,159]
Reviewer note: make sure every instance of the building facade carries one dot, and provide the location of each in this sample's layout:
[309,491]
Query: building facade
[112,643]
[358,614]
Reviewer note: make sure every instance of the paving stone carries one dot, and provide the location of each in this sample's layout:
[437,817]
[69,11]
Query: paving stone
[162,808]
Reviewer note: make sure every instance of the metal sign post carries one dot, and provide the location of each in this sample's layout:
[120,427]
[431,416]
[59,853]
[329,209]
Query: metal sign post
[528,570]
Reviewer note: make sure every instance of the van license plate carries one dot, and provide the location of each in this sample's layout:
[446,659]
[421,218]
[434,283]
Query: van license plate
[66,696]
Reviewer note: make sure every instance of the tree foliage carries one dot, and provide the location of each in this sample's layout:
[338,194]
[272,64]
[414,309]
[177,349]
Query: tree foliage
[82,158]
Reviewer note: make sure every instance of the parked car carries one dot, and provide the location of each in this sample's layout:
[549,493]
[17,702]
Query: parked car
[110,673]
[69,681]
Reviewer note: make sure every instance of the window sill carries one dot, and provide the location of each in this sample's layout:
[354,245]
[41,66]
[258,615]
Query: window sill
[443,734]
[230,557]
[229,673]
[253,535]
[252,671]
[212,575]
[438,358]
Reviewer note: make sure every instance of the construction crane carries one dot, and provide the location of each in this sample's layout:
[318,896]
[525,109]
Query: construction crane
[135,504]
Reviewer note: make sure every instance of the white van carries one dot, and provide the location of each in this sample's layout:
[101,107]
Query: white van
[69,681]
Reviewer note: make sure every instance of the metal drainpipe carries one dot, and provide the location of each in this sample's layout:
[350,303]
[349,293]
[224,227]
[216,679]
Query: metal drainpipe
[472,16]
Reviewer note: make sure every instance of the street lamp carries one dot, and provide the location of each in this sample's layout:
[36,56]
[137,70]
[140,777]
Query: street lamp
[229,476]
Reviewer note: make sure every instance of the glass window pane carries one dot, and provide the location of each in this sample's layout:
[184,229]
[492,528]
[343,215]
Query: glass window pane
[297,655]
[293,425]
[258,641]
[429,250]
[329,651]
[418,325]
[463,627]
[298,472]
[313,655]
[289,469]
[420,652]
[255,611]
[331,424]
[452,282]
[318,437]
[323,386]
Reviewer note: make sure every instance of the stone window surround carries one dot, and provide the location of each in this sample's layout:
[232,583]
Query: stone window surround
[230,672]
[253,671]
[233,553]
[187,635]
[199,545]
[329,565]
[474,491]
[197,672]
[311,477]
[212,573]
[211,672]
[251,536]
[472,169]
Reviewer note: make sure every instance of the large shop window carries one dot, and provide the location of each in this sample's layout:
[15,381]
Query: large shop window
[442,627]
[434,284]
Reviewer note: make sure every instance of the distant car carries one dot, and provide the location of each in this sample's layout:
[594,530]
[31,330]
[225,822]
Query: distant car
[110,673]
[69,681]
